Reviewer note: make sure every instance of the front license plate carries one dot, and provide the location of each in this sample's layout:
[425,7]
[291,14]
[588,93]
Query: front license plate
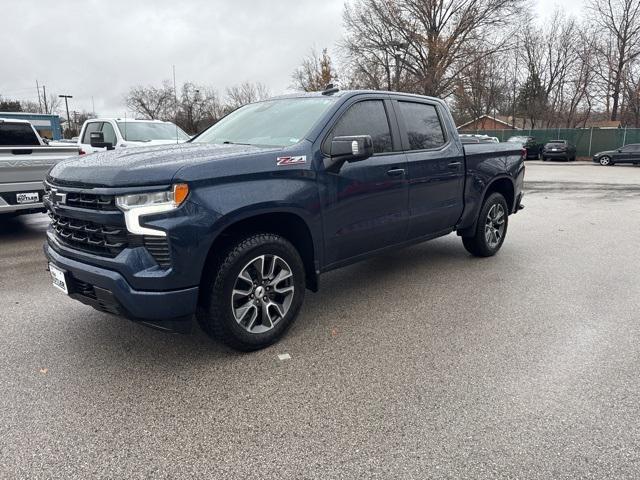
[28,197]
[58,277]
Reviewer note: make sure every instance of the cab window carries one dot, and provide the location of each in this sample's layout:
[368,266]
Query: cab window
[424,130]
[368,117]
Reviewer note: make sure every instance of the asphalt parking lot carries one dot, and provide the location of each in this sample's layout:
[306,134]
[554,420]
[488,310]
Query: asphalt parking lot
[422,363]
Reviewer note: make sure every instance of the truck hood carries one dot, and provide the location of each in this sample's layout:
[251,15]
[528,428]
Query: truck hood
[142,166]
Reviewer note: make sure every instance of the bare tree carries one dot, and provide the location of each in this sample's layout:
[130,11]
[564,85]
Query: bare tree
[482,89]
[244,93]
[53,104]
[424,45]
[151,102]
[315,72]
[619,22]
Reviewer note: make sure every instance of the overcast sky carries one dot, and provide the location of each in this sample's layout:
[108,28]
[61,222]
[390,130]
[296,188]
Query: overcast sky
[97,48]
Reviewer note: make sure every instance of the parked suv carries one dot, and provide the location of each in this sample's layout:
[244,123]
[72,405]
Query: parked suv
[111,133]
[559,150]
[235,225]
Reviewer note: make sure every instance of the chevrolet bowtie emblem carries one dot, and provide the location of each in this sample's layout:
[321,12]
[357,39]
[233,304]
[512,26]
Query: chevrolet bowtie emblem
[57,198]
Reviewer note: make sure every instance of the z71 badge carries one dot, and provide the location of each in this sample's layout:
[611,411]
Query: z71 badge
[282,161]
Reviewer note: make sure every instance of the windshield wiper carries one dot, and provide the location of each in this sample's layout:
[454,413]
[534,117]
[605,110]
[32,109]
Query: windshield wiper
[227,142]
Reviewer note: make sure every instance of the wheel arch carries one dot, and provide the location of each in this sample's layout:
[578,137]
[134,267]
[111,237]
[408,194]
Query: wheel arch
[286,223]
[502,184]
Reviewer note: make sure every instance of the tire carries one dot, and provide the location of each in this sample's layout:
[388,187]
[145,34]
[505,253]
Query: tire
[230,310]
[544,159]
[605,161]
[481,243]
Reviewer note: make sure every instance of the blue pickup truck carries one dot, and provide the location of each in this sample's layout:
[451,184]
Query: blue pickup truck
[235,225]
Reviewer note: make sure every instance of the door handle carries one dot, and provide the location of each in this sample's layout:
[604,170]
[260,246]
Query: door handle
[454,165]
[396,172]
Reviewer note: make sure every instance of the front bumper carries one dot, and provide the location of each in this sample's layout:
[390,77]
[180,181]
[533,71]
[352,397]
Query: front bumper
[108,291]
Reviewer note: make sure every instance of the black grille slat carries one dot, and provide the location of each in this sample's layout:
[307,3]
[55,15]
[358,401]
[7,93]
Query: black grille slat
[158,247]
[91,201]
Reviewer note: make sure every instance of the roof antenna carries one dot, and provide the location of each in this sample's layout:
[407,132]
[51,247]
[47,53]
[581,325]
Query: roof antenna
[330,89]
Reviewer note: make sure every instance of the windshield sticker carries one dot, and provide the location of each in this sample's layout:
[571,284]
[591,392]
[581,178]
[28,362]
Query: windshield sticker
[282,161]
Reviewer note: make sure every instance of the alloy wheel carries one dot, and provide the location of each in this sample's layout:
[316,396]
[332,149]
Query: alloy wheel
[262,293]
[495,225]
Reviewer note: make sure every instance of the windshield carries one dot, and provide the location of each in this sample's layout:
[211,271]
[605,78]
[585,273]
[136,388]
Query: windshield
[274,123]
[147,131]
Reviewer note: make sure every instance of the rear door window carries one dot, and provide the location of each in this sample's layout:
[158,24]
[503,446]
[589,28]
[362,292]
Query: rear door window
[424,129]
[17,134]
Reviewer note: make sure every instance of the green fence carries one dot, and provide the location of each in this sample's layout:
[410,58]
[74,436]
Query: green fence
[588,141]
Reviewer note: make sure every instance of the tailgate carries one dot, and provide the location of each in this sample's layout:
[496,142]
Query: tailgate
[30,164]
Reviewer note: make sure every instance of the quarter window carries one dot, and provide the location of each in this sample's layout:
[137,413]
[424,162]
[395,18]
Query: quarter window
[424,129]
[368,117]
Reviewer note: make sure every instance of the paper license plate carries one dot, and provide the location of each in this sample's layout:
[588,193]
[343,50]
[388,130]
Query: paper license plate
[58,277]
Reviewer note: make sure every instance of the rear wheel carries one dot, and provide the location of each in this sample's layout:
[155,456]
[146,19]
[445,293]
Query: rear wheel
[491,228]
[253,292]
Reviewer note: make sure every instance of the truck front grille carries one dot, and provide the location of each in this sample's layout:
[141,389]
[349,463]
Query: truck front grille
[88,236]
[96,238]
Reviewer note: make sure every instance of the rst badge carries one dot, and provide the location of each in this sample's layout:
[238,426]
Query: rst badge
[282,161]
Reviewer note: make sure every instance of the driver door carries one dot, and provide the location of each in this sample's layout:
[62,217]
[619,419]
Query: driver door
[365,204]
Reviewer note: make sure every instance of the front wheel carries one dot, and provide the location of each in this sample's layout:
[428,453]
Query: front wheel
[605,161]
[253,293]
[491,228]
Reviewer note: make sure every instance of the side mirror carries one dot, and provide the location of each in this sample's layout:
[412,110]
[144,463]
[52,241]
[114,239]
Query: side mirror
[352,148]
[97,141]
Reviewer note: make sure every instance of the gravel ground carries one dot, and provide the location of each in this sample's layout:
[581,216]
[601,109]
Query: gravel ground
[423,363]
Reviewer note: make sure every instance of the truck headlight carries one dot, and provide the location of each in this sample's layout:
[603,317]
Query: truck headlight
[138,205]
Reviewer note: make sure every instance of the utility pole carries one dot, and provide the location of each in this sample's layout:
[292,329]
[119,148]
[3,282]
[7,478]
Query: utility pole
[93,106]
[39,101]
[66,103]
[44,97]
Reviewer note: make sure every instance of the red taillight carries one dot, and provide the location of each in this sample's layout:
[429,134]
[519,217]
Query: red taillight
[81,152]
[524,153]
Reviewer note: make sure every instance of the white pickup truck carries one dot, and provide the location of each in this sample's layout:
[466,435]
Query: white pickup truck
[25,160]
[114,133]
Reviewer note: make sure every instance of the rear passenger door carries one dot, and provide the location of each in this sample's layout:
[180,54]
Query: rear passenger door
[436,167]
[364,203]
